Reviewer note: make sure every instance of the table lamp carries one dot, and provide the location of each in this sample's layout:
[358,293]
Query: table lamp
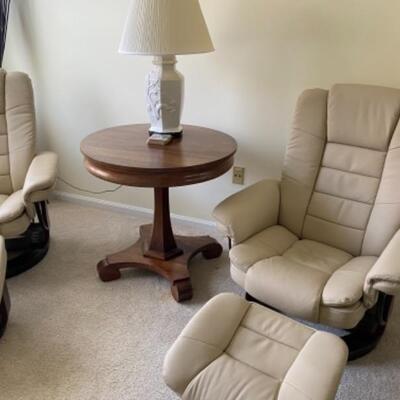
[164,29]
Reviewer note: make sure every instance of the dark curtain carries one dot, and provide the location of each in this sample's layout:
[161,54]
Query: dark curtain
[4,12]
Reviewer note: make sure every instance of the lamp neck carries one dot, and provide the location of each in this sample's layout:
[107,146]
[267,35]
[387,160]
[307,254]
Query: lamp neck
[164,60]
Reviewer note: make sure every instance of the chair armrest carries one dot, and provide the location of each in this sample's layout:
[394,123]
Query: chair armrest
[384,276]
[203,340]
[249,211]
[41,177]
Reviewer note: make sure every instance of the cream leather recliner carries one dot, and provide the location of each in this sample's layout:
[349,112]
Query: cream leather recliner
[25,177]
[323,243]
[4,297]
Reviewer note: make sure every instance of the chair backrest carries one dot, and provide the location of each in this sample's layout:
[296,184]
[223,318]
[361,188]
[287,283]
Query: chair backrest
[17,129]
[341,178]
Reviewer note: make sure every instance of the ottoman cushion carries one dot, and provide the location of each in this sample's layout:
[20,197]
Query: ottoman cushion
[236,350]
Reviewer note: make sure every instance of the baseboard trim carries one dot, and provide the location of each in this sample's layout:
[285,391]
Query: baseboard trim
[121,207]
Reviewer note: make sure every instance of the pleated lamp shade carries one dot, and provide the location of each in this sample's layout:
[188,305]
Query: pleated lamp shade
[165,27]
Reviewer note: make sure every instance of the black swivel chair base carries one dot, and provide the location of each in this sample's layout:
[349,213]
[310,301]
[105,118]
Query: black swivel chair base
[362,339]
[4,310]
[27,250]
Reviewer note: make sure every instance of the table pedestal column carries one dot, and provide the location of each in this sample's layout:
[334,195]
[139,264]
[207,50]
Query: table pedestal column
[160,251]
[162,244]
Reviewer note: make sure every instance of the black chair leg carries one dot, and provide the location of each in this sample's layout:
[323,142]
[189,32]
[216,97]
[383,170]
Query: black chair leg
[30,248]
[4,309]
[362,339]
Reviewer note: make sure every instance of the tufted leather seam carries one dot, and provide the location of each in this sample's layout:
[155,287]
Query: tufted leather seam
[351,173]
[343,198]
[353,145]
[18,106]
[275,250]
[257,260]
[380,183]
[233,335]
[295,388]
[291,384]
[270,338]
[318,173]
[196,377]
[308,133]
[215,347]
[317,257]
[6,133]
[308,266]
[239,325]
[254,368]
[202,342]
[336,223]
[296,181]
[240,362]
[360,147]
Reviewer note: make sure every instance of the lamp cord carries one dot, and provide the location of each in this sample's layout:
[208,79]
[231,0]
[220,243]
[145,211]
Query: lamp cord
[86,190]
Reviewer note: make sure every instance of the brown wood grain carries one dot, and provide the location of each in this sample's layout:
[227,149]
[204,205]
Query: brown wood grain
[121,155]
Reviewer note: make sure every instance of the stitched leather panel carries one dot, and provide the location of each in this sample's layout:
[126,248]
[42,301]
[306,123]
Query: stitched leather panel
[20,114]
[303,158]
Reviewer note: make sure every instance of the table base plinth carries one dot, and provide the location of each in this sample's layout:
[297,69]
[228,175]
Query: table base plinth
[175,270]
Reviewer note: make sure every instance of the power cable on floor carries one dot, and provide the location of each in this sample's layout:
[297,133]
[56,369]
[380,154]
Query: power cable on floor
[86,190]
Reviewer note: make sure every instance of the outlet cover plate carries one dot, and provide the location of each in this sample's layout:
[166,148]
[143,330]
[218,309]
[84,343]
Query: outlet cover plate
[238,175]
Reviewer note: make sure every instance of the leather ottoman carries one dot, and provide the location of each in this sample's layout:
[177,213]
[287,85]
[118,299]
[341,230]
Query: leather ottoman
[236,350]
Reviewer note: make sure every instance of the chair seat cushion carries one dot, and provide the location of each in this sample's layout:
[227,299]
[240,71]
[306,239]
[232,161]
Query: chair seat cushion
[270,242]
[298,276]
[252,352]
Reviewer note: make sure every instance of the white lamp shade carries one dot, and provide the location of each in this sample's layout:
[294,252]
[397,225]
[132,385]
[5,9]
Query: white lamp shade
[165,27]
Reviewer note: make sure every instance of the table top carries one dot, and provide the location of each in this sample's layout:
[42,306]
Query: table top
[121,155]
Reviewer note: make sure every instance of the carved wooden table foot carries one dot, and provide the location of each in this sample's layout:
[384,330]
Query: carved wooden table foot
[173,268]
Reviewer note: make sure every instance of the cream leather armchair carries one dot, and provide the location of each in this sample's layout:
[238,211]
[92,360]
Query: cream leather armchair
[323,243]
[26,178]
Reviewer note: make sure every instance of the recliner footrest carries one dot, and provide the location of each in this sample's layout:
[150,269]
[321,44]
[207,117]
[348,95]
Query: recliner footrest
[233,349]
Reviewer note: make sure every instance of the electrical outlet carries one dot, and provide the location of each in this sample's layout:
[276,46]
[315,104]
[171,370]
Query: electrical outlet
[238,175]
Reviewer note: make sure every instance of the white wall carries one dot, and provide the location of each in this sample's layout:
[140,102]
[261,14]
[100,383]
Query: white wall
[268,51]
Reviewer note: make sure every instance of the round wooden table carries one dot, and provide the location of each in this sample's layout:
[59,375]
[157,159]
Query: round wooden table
[121,155]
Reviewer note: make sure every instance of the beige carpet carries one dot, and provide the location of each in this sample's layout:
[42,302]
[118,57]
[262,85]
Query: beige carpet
[72,337]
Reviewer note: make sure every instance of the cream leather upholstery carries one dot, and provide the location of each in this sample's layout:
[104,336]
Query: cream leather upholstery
[252,353]
[240,222]
[332,244]
[25,177]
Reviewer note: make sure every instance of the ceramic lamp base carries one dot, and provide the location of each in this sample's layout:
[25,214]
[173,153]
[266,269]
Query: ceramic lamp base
[173,134]
[164,93]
